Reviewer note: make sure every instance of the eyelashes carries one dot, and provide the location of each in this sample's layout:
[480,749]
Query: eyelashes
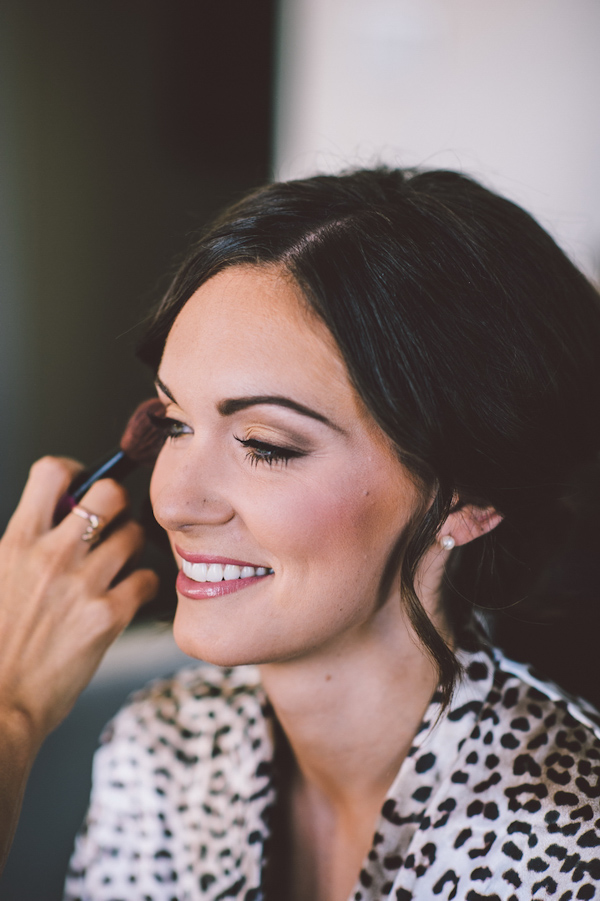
[257,451]
[261,452]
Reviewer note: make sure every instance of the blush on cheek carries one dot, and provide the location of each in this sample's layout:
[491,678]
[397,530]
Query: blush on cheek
[342,523]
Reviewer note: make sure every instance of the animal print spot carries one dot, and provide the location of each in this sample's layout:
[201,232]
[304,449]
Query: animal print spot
[589,839]
[462,837]
[475,896]
[538,741]
[537,865]
[459,777]
[424,763]
[584,813]
[521,723]
[565,798]
[511,850]
[511,696]
[525,763]
[477,671]
[449,876]
[460,712]
[489,839]
[422,793]
[586,892]
[512,878]
[481,873]
[494,779]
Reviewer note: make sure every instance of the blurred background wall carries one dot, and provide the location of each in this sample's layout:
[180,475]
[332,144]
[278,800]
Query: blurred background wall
[126,124]
[507,92]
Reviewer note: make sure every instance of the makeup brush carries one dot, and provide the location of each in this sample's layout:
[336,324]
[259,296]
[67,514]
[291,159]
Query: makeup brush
[140,443]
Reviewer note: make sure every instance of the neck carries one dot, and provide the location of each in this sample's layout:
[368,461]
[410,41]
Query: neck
[350,711]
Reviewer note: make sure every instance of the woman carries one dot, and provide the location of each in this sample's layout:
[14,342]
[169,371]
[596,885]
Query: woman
[377,388]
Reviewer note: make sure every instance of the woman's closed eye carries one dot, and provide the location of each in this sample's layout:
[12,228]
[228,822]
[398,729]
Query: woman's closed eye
[262,452]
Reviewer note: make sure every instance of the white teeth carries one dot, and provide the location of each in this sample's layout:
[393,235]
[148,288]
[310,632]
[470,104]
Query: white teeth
[217,572]
[195,571]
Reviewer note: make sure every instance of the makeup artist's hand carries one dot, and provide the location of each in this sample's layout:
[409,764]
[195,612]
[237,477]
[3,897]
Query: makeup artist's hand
[58,614]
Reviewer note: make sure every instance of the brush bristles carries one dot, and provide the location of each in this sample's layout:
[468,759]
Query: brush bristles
[142,440]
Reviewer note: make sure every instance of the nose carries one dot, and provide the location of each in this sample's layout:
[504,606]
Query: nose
[185,491]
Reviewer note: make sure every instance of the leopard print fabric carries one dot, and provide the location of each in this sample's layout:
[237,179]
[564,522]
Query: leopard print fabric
[498,801]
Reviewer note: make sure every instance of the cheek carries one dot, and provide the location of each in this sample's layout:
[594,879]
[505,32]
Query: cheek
[338,522]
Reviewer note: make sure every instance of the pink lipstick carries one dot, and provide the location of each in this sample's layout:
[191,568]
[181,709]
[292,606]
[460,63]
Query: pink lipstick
[209,576]
[199,590]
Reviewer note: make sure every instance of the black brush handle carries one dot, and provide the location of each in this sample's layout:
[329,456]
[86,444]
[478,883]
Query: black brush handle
[116,466]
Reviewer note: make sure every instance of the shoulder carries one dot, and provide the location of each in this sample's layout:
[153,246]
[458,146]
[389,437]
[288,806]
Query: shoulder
[546,732]
[204,721]
[182,776]
[199,706]
[527,784]
[174,769]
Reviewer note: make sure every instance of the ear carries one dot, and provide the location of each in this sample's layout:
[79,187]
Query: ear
[470,522]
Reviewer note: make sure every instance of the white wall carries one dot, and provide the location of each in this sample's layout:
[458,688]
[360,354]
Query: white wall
[507,91]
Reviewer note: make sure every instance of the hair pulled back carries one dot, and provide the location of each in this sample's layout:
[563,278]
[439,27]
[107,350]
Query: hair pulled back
[470,336]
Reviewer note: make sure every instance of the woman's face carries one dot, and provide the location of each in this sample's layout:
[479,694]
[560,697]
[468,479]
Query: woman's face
[273,462]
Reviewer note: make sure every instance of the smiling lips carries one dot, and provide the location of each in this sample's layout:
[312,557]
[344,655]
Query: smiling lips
[208,577]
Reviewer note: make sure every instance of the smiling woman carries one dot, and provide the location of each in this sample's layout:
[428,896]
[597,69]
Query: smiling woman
[377,391]
[273,461]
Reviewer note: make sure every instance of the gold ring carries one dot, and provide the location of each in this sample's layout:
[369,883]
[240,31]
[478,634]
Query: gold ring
[95,524]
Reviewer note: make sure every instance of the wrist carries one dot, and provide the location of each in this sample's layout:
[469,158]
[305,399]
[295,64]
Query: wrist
[18,748]
[19,739]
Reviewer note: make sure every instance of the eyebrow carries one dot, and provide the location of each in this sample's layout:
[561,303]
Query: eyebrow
[235,404]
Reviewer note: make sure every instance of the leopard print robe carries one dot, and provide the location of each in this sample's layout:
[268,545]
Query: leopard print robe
[498,801]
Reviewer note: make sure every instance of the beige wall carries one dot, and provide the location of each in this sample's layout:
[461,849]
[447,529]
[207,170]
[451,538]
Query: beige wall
[507,91]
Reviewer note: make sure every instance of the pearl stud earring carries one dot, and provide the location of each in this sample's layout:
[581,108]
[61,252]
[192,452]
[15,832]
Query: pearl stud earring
[447,542]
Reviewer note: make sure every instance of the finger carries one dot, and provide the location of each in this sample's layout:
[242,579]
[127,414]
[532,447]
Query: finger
[132,593]
[48,480]
[110,557]
[106,499]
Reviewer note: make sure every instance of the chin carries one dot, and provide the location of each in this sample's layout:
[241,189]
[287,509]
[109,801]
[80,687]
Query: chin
[233,644]
[220,645]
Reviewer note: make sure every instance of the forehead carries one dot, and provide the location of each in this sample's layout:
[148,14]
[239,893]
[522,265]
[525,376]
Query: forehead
[249,330]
